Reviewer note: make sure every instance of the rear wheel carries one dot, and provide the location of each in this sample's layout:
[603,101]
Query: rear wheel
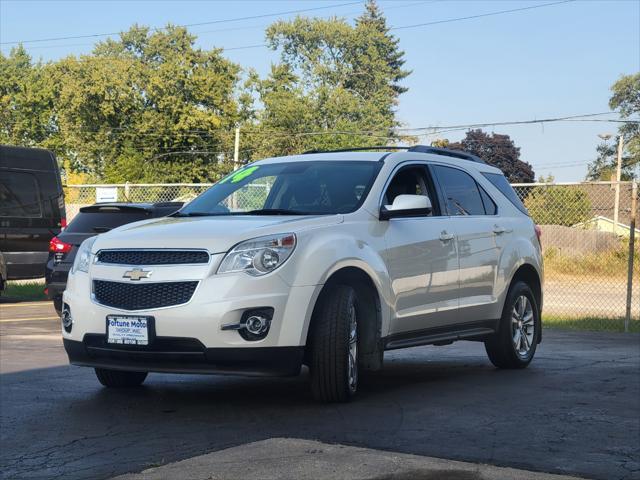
[57,304]
[120,378]
[514,345]
[334,346]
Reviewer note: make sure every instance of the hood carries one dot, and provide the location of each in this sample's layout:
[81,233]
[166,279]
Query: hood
[215,234]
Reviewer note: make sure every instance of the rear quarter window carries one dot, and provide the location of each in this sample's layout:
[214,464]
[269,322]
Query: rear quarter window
[500,182]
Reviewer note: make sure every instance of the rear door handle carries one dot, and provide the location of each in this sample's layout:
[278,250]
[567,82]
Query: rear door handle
[497,229]
[445,237]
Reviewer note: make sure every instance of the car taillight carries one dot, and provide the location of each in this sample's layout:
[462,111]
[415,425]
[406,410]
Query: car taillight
[538,233]
[58,246]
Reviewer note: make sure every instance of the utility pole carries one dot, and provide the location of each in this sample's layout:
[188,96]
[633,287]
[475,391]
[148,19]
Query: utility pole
[236,150]
[632,234]
[616,205]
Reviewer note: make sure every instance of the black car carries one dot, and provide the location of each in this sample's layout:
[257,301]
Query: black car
[31,209]
[90,221]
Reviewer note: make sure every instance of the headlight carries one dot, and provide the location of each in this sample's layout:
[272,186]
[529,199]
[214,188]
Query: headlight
[259,256]
[83,257]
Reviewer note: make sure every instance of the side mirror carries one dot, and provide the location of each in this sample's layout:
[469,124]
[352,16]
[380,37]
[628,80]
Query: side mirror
[406,206]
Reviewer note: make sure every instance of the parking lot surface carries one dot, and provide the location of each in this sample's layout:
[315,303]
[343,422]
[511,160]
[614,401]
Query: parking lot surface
[575,411]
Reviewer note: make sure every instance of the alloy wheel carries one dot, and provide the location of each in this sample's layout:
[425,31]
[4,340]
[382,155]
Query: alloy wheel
[522,326]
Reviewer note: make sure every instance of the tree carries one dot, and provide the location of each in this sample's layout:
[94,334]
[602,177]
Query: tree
[497,150]
[332,76]
[27,97]
[558,205]
[626,99]
[149,106]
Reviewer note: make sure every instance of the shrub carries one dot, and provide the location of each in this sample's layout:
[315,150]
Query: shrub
[558,205]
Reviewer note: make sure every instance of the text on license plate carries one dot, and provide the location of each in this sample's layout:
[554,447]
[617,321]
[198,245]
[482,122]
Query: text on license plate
[127,330]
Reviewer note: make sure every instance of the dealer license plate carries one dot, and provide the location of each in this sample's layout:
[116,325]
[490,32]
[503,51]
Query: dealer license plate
[128,330]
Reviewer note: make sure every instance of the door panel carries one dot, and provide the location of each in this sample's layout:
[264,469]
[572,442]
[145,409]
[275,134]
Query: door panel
[424,272]
[480,235]
[479,250]
[421,259]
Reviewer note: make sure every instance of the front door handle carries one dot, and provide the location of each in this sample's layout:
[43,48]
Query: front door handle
[445,237]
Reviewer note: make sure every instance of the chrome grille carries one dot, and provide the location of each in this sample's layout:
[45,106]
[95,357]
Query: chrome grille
[153,257]
[129,296]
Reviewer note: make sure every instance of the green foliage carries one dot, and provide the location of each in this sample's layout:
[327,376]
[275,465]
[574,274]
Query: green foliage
[332,76]
[26,101]
[151,107]
[24,291]
[558,205]
[611,263]
[497,150]
[626,99]
[596,324]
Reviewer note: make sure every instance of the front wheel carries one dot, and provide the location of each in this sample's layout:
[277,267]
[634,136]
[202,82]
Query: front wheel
[334,346]
[515,342]
[120,378]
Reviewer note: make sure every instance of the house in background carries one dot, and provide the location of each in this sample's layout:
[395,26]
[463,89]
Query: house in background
[604,224]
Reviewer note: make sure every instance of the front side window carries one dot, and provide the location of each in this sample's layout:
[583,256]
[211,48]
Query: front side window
[460,191]
[19,195]
[288,188]
[411,180]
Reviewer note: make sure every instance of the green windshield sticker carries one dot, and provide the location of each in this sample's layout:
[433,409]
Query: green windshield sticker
[241,174]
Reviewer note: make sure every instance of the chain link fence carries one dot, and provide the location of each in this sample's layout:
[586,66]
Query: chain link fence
[586,248]
[585,243]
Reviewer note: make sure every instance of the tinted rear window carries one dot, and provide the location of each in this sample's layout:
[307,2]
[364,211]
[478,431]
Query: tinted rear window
[19,195]
[500,182]
[100,222]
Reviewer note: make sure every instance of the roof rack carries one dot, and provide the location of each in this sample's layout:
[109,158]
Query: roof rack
[356,149]
[415,148]
[446,152]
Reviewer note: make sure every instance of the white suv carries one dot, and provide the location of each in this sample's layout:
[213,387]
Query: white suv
[322,259]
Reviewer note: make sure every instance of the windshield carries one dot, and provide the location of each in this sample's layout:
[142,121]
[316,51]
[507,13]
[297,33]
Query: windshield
[295,188]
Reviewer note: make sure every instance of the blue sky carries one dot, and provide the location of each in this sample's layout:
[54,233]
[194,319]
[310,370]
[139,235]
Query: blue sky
[540,63]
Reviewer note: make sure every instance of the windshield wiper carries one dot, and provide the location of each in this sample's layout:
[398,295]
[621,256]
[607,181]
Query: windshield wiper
[197,214]
[275,211]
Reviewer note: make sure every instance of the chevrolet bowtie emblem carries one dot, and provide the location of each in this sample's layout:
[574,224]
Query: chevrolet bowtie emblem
[137,274]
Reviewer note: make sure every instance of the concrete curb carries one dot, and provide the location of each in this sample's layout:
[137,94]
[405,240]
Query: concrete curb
[296,459]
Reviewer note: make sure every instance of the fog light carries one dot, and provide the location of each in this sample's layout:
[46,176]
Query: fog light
[254,324]
[67,319]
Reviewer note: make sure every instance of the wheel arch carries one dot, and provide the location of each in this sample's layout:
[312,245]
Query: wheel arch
[370,312]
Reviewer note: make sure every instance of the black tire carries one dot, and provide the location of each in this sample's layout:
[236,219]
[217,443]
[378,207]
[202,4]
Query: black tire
[330,347]
[501,347]
[57,304]
[120,378]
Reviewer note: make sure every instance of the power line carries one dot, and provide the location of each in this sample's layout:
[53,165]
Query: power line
[263,45]
[239,19]
[481,15]
[251,27]
[433,129]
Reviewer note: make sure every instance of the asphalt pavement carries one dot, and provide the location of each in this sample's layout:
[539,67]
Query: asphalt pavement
[575,411]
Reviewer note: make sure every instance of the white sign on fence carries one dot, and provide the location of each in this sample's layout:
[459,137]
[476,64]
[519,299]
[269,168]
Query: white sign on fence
[106,194]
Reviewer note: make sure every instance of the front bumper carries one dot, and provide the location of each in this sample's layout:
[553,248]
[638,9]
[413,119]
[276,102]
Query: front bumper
[218,300]
[185,355]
